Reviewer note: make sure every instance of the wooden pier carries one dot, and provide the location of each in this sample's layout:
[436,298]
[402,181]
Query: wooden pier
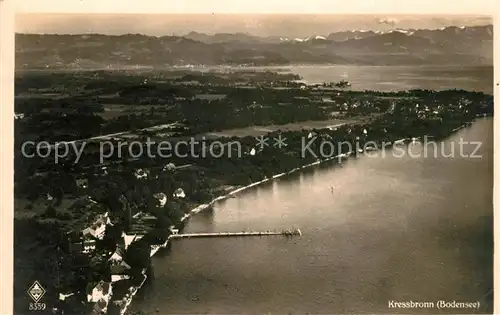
[287,233]
[295,232]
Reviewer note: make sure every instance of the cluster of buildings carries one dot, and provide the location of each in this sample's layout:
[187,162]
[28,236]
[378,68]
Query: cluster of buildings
[85,240]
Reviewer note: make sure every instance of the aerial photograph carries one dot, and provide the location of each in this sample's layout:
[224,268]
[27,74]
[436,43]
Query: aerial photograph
[253,164]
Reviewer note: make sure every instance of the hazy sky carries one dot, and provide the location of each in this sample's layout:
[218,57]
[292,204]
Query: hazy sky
[261,25]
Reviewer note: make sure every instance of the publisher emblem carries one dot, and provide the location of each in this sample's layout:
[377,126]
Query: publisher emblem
[36,291]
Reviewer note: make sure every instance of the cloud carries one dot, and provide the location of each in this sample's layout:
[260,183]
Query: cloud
[387,21]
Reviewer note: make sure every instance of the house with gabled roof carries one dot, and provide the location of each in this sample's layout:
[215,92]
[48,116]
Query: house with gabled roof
[98,227]
[101,291]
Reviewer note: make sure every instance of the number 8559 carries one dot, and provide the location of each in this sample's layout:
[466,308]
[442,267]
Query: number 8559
[37,306]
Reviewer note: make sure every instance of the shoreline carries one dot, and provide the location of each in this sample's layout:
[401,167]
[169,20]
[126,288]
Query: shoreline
[202,207]
[194,67]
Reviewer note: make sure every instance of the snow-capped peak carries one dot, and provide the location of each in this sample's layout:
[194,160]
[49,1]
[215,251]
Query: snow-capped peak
[354,32]
[360,31]
[311,38]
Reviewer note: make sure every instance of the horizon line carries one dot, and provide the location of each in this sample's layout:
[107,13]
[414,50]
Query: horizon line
[243,33]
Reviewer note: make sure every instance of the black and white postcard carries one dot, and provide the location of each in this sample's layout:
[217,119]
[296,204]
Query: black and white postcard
[223,157]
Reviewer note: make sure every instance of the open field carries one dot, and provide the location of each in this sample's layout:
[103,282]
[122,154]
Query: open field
[261,130]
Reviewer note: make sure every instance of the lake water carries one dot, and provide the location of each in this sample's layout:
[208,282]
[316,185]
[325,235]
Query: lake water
[377,78]
[402,229]
[392,78]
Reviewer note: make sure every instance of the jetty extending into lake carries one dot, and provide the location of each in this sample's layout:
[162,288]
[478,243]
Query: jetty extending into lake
[288,233]
[293,232]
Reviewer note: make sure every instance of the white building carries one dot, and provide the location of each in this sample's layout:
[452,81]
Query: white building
[169,167]
[140,173]
[162,199]
[63,297]
[129,239]
[102,291]
[88,246]
[173,230]
[115,257]
[116,278]
[98,228]
[179,193]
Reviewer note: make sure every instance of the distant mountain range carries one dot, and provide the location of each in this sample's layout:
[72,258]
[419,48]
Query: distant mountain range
[450,45]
